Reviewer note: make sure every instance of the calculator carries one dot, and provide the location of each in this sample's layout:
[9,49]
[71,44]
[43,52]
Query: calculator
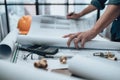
[40,49]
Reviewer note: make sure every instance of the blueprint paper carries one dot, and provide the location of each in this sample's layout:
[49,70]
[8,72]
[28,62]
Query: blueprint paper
[8,43]
[10,71]
[47,31]
[94,68]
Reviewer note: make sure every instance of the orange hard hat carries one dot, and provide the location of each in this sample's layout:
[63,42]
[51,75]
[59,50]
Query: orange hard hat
[24,24]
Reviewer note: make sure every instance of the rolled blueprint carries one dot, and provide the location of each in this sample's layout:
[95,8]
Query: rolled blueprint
[62,42]
[8,43]
[10,71]
[94,68]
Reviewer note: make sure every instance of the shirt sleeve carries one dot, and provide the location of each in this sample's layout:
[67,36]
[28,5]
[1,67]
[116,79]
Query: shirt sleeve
[114,2]
[99,4]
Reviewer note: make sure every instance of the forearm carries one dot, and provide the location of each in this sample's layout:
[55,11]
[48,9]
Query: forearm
[87,10]
[111,13]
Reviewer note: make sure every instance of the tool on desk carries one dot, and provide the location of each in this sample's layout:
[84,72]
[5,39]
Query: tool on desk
[41,64]
[107,55]
[40,50]
[63,59]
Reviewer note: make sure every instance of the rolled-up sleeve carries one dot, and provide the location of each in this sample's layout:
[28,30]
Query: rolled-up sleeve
[114,2]
[99,4]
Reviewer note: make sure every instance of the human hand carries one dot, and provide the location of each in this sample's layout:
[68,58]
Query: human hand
[82,37]
[72,15]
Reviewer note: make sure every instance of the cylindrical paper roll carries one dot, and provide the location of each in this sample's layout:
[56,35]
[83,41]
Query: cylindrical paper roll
[94,68]
[8,43]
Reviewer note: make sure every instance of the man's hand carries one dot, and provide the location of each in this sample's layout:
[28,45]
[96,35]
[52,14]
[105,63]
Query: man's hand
[73,16]
[82,37]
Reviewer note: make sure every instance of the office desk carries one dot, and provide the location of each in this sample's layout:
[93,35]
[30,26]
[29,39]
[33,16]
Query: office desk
[53,64]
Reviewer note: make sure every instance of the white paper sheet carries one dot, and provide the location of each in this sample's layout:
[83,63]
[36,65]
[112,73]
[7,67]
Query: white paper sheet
[10,71]
[94,68]
[45,30]
[8,43]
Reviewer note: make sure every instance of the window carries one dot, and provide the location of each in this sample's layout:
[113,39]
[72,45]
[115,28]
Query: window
[18,8]
[56,7]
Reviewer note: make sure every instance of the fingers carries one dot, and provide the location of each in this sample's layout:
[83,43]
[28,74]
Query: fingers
[77,40]
[76,43]
[70,39]
[83,42]
[68,35]
[70,16]
[80,38]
